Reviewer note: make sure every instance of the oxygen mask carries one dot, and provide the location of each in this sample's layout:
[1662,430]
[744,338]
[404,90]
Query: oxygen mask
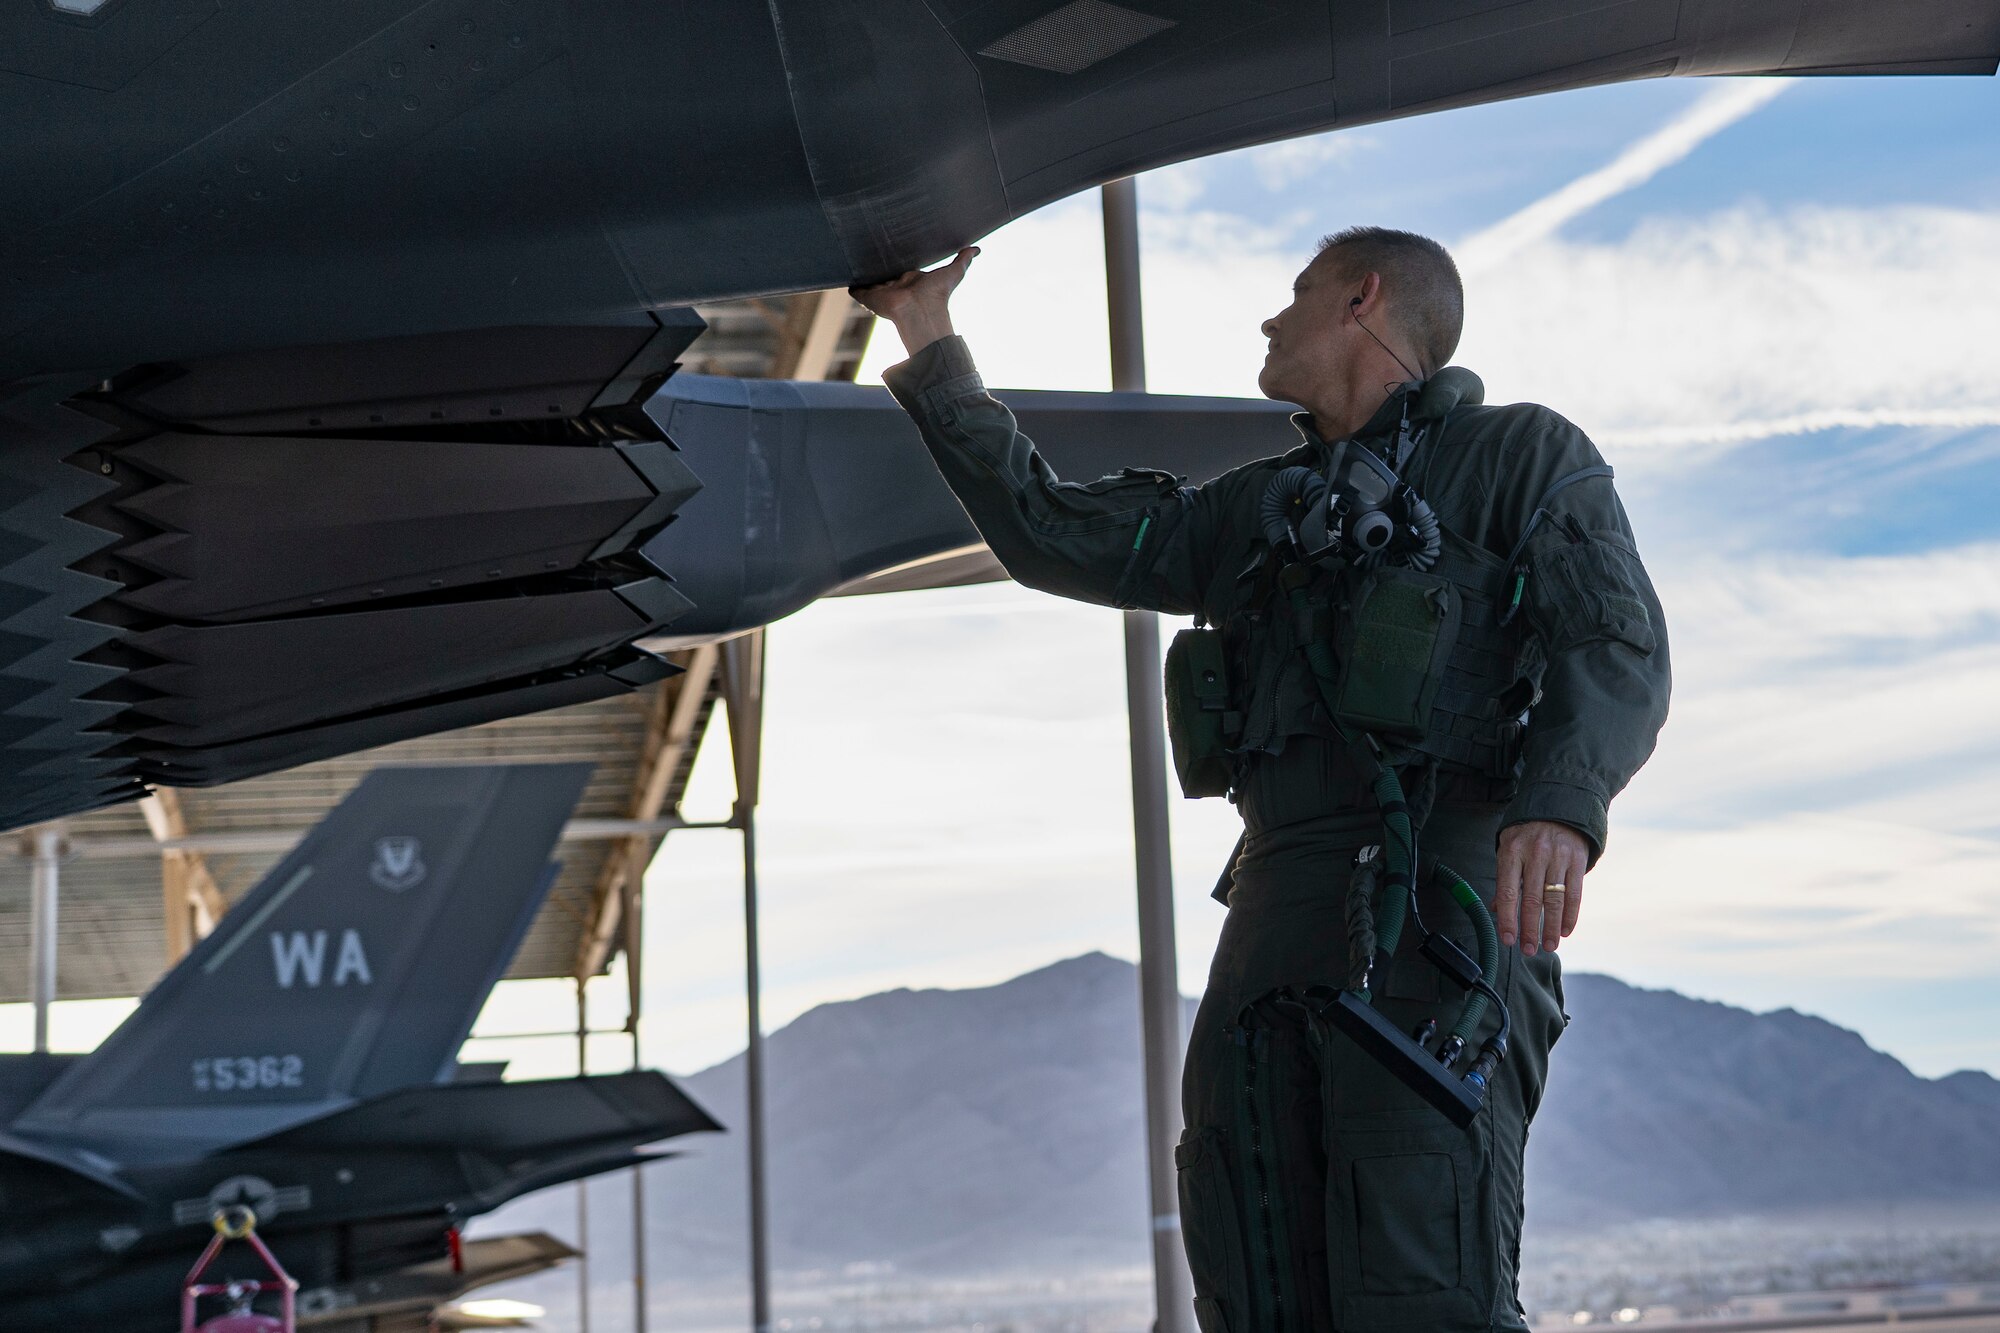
[1357,510]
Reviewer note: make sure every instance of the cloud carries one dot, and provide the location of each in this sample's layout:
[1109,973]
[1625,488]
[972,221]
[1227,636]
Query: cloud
[1637,164]
[1279,166]
[1827,683]
[1819,814]
[1713,329]
[1179,186]
[1779,613]
[1803,423]
[1690,333]
[1805,893]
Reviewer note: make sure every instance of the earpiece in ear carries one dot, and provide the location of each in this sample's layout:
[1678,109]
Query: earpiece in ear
[1355,302]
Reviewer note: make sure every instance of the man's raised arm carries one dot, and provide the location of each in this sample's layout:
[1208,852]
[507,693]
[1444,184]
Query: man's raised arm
[1128,540]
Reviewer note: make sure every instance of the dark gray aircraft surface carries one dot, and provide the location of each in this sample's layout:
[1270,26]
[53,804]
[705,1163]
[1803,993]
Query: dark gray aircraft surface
[302,1060]
[327,331]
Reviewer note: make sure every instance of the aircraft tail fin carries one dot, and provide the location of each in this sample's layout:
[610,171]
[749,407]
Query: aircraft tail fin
[354,968]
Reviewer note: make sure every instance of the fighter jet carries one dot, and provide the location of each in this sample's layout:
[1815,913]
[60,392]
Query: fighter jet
[302,1061]
[332,334]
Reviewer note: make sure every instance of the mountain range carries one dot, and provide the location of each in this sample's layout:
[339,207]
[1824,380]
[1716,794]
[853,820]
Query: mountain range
[999,1128]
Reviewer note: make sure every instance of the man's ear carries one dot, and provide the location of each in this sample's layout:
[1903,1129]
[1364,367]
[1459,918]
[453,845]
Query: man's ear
[1368,295]
[1367,299]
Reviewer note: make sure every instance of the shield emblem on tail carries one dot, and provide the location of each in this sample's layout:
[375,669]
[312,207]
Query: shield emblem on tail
[399,864]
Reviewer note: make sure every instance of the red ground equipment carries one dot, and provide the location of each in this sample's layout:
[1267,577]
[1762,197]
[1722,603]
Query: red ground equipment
[239,1224]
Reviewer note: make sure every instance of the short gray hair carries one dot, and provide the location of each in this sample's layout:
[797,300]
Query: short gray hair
[1427,297]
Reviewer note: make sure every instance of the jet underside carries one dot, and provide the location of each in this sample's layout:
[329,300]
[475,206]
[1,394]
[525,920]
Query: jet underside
[331,335]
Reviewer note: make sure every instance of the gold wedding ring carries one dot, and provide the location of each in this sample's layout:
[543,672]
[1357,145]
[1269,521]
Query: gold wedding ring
[1554,888]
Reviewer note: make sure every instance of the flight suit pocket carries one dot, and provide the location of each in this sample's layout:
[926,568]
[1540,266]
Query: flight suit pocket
[1591,591]
[1108,502]
[1402,1221]
[1211,1231]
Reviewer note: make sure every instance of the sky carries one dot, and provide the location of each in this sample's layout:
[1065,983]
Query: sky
[1771,303]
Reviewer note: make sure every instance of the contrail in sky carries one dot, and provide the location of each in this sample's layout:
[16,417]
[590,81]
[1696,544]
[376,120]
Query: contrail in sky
[1805,423]
[1635,166]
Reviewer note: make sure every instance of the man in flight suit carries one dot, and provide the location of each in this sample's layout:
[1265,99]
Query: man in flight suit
[1318,1192]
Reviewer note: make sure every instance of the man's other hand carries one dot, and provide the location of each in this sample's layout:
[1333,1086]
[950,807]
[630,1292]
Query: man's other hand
[1540,888]
[919,302]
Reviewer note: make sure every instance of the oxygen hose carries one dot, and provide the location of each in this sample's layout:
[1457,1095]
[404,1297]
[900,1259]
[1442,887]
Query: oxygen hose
[1489,949]
[1398,856]
[1289,497]
[1399,843]
[1361,923]
[1430,533]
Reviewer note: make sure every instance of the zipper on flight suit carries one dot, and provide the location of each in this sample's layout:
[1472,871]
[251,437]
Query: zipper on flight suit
[1264,1238]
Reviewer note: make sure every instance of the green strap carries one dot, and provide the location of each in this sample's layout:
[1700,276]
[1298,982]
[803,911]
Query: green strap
[1399,836]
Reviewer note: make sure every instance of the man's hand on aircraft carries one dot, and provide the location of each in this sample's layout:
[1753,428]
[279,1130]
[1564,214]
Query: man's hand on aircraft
[1540,888]
[919,302]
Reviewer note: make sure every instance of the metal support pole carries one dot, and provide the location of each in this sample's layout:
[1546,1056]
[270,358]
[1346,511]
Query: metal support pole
[1121,286]
[582,1184]
[753,1091]
[42,928]
[1159,984]
[743,691]
[638,1217]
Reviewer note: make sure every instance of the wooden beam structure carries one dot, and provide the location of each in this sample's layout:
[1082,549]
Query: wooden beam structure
[189,895]
[671,728]
[813,327]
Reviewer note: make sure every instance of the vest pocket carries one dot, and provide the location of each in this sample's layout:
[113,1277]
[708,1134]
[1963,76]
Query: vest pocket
[1211,1232]
[1403,1221]
[1397,634]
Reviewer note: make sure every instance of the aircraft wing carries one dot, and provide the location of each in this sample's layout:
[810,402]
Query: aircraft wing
[815,489]
[419,1290]
[509,1122]
[523,1136]
[63,1165]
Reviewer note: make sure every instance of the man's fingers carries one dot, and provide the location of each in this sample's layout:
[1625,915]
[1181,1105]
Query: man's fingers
[1534,874]
[1555,903]
[1507,892]
[1573,905]
[878,297]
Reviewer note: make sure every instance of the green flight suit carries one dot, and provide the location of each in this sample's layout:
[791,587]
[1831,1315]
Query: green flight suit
[1317,1192]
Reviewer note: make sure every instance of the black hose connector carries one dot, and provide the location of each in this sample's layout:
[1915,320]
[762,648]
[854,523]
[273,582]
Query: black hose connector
[1429,532]
[1495,1048]
[1480,1076]
[1449,1052]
